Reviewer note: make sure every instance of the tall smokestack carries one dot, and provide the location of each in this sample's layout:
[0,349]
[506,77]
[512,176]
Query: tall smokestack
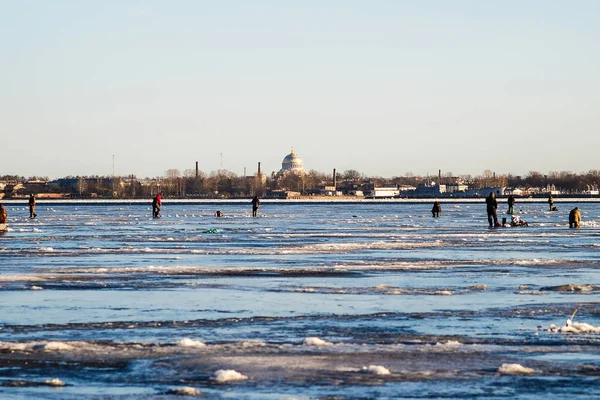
[196,169]
[259,168]
[439,176]
[334,179]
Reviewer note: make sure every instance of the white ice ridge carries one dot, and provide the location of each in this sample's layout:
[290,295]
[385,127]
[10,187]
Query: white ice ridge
[449,344]
[38,346]
[187,342]
[185,391]
[515,369]
[52,346]
[315,341]
[54,382]
[575,328]
[376,369]
[228,375]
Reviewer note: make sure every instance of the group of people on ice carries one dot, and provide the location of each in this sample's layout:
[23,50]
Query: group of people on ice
[492,206]
[157,203]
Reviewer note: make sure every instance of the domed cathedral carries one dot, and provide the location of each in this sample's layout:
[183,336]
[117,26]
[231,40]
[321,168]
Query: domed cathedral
[289,181]
[292,163]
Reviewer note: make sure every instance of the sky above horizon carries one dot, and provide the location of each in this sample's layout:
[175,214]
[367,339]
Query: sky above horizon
[383,87]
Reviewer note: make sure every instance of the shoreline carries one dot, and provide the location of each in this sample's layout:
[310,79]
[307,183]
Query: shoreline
[311,200]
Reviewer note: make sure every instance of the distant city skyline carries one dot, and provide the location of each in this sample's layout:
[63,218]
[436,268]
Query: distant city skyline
[383,87]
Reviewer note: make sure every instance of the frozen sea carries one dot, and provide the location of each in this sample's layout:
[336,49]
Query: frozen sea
[365,300]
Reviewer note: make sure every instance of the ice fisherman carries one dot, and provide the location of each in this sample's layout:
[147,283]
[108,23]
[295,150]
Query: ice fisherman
[492,206]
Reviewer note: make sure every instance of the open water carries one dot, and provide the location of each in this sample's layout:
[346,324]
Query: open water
[307,301]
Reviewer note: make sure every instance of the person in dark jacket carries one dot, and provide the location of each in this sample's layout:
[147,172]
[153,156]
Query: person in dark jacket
[156,203]
[255,204]
[511,204]
[492,205]
[551,202]
[575,218]
[437,209]
[3,215]
[32,213]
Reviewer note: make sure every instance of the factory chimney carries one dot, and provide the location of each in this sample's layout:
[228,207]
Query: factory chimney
[334,179]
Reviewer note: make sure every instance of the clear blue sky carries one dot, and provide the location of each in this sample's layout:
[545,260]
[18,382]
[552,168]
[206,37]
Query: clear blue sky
[383,87]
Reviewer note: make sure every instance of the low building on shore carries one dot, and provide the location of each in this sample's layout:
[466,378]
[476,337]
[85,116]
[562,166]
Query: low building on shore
[282,194]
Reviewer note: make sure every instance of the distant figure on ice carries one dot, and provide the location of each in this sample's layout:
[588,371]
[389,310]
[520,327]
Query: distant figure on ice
[551,202]
[511,204]
[574,218]
[156,203]
[492,205]
[437,209]
[3,215]
[32,213]
[255,204]
[219,214]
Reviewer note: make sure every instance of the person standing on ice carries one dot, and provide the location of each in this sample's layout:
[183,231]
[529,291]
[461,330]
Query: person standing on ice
[31,203]
[156,203]
[511,204]
[3,215]
[437,209]
[575,218]
[255,204]
[492,205]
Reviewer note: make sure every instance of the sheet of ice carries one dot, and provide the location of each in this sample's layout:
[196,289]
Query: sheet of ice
[376,370]
[515,369]
[450,344]
[579,328]
[315,341]
[185,391]
[187,342]
[54,382]
[52,346]
[228,375]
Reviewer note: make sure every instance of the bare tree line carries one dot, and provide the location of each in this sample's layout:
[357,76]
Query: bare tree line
[225,183]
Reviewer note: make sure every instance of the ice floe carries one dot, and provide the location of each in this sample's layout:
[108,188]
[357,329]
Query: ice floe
[315,341]
[515,369]
[187,342]
[575,328]
[185,391]
[228,375]
[376,370]
[54,382]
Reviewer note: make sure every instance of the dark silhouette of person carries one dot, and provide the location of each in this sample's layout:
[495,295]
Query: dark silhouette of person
[575,218]
[3,214]
[492,205]
[511,204]
[156,203]
[219,214]
[255,204]
[550,201]
[437,209]
[32,213]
